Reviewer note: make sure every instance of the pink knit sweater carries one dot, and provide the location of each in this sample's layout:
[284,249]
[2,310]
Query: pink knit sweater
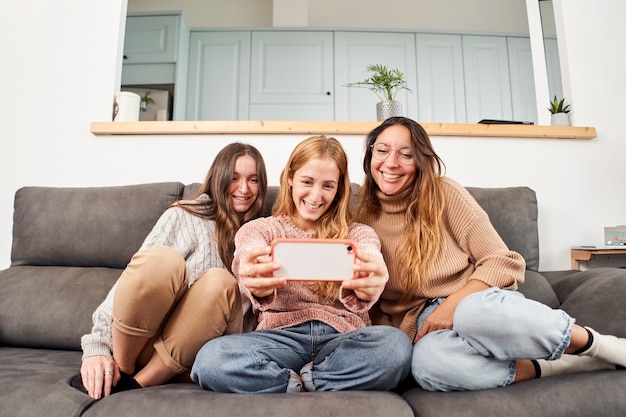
[296,303]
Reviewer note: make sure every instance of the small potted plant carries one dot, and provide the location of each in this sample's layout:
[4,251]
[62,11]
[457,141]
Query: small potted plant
[559,110]
[385,83]
[146,98]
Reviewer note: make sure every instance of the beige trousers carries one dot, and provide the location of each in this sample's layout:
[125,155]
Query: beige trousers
[153,300]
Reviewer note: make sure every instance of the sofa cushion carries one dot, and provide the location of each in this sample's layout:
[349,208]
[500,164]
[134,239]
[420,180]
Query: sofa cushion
[595,298]
[575,395]
[189,400]
[537,288]
[36,383]
[50,306]
[513,213]
[96,226]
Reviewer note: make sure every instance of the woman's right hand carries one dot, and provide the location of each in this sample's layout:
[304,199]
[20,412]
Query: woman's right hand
[256,270]
[99,374]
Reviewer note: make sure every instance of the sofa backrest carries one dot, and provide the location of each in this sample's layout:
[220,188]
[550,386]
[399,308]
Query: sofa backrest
[94,226]
[513,213]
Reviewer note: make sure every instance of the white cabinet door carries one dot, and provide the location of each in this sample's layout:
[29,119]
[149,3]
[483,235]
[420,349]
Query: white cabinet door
[219,67]
[354,52]
[291,75]
[523,99]
[440,85]
[487,87]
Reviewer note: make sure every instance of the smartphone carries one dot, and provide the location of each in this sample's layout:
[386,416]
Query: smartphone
[314,259]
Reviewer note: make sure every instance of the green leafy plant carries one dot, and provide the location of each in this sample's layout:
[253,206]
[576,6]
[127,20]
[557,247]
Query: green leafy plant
[146,97]
[557,106]
[384,82]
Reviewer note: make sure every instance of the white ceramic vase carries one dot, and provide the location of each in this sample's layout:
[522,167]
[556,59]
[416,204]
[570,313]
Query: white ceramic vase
[388,108]
[559,119]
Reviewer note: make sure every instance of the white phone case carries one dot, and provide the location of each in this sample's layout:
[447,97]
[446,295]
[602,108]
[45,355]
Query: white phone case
[314,259]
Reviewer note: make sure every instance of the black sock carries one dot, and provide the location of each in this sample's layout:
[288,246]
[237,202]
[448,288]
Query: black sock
[587,346]
[537,368]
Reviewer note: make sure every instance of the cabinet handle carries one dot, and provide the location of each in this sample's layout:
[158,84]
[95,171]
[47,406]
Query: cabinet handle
[125,56]
[328,93]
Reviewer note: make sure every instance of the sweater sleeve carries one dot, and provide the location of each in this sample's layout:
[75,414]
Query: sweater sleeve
[98,342]
[366,241]
[495,264]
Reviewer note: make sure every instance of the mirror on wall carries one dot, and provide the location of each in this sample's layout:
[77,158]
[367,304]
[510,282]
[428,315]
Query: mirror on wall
[551,48]
[485,17]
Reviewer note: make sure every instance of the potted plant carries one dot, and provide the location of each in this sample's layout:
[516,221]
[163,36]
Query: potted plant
[146,99]
[559,110]
[385,83]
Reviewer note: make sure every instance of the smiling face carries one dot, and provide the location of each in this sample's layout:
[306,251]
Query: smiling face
[393,175]
[313,189]
[244,187]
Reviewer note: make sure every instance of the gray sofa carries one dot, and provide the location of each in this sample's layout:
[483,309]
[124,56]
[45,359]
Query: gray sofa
[70,245]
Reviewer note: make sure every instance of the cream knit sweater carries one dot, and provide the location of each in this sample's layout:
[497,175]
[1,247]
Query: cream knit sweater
[472,249]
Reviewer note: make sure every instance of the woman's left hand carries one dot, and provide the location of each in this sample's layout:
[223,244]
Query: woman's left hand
[370,277]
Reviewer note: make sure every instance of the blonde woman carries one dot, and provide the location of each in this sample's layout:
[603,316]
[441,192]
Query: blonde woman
[310,336]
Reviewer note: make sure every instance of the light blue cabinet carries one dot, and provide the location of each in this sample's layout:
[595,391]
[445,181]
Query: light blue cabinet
[354,52]
[219,74]
[156,52]
[487,83]
[302,75]
[440,79]
[291,75]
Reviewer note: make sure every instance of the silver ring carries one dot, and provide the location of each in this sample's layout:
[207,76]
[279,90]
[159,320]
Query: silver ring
[108,373]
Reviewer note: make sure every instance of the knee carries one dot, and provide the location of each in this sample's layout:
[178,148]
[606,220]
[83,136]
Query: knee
[397,350]
[154,267]
[217,284]
[479,308]
[429,364]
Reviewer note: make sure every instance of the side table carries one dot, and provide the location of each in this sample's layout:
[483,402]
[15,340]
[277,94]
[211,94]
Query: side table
[587,253]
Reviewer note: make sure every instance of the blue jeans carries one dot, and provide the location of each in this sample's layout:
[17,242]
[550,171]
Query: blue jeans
[371,358]
[491,330]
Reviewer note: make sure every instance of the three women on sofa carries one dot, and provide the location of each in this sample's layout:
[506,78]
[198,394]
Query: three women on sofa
[311,336]
[177,292]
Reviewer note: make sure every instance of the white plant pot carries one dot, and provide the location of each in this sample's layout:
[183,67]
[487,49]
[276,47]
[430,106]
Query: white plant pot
[559,119]
[388,108]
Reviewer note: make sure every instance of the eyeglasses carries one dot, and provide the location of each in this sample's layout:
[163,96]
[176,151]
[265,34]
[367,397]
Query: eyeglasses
[381,151]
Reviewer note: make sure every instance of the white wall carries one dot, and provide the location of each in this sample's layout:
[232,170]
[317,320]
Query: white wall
[58,74]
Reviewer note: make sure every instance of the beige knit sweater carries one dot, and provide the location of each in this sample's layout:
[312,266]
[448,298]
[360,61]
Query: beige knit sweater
[472,249]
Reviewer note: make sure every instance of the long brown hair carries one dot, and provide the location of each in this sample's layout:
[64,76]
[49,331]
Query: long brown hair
[219,207]
[423,240]
[334,223]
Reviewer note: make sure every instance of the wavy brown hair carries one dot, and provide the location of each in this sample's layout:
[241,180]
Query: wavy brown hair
[423,240]
[334,223]
[219,207]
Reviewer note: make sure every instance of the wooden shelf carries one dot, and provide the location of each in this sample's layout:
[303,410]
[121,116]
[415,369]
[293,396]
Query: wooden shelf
[334,128]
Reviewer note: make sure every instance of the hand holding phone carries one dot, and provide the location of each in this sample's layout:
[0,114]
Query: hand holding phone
[314,259]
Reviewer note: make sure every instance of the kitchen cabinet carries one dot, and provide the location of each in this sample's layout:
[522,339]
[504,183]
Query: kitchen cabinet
[291,75]
[487,83]
[523,102]
[219,73]
[354,52]
[156,49]
[440,78]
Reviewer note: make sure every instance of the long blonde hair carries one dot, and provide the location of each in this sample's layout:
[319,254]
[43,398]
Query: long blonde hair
[423,239]
[334,223]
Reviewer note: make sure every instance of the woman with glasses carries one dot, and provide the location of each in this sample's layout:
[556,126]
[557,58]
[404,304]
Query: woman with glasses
[452,279]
